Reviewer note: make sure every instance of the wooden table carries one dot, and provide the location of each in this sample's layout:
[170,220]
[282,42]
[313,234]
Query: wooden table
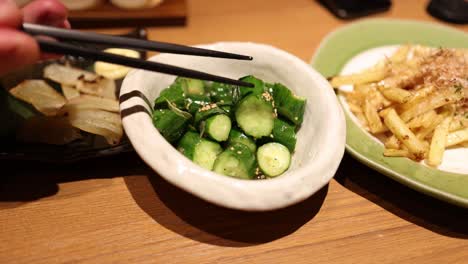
[117,210]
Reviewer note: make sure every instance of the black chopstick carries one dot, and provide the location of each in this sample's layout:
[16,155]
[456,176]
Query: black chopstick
[68,34]
[52,46]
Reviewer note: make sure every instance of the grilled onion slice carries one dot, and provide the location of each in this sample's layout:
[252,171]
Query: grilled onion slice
[95,121]
[41,95]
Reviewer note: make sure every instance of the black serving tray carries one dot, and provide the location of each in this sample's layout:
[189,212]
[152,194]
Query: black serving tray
[90,147]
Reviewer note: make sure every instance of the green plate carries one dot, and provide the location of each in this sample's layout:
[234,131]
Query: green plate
[342,45]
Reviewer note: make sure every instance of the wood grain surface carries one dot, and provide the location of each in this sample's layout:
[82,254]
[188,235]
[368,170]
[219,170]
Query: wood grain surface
[117,210]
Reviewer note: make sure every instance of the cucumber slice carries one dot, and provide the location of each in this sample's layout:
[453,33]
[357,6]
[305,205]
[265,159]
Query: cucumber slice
[218,127]
[192,86]
[174,94]
[285,134]
[273,159]
[259,86]
[236,161]
[255,116]
[289,105]
[206,153]
[228,110]
[224,94]
[206,112]
[194,102]
[201,151]
[171,124]
[236,136]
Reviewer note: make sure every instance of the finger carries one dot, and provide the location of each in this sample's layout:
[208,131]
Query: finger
[10,14]
[17,50]
[46,12]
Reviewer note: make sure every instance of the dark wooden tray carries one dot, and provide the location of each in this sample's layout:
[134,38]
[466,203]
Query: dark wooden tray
[169,13]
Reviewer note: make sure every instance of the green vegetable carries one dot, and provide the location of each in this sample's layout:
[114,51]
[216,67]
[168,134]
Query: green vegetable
[171,123]
[273,159]
[194,102]
[201,151]
[206,112]
[236,136]
[228,110]
[289,105]
[255,116]
[224,94]
[197,113]
[284,133]
[236,161]
[218,127]
[191,86]
[173,94]
[259,86]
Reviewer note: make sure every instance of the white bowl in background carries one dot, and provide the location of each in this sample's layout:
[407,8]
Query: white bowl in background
[320,140]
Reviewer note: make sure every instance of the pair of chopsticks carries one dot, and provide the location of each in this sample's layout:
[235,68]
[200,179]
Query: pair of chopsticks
[53,46]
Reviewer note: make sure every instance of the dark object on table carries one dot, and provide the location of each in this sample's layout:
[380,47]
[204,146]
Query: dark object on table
[168,13]
[90,147]
[454,11]
[348,9]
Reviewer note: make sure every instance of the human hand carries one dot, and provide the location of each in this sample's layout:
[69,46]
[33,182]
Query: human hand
[18,49]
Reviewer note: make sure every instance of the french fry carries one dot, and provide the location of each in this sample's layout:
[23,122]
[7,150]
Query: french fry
[457,137]
[429,103]
[458,123]
[354,108]
[364,89]
[377,99]
[438,142]
[392,143]
[359,78]
[423,133]
[421,51]
[384,112]
[395,94]
[373,118]
[400,54]
[396,153]
[423,120]
[360,116]
[418,95]
[403,133]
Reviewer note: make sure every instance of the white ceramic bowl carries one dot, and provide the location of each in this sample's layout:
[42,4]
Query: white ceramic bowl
[320,140]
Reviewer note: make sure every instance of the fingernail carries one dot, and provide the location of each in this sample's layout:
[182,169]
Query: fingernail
[66,24]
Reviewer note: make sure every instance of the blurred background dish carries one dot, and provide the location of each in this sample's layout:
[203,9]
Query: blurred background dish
[136,4]
[81,4]
[13,113]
